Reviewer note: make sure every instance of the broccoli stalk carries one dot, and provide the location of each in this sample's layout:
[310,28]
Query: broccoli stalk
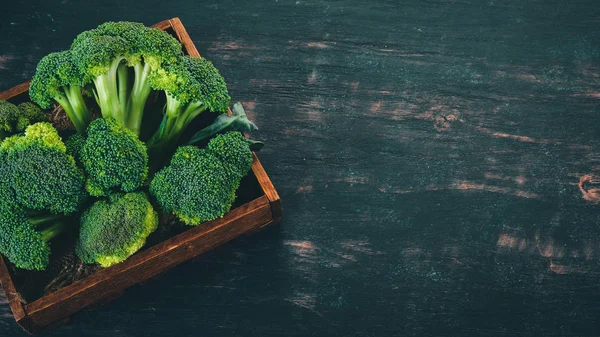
[48,225]
[58,79]
[106,56]
[192,86]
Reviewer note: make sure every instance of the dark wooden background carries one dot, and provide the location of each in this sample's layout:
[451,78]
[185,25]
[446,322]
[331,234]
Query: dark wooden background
[438,162]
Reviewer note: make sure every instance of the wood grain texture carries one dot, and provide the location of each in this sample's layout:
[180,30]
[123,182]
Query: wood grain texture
[439,162]
[15,91]
[10,292]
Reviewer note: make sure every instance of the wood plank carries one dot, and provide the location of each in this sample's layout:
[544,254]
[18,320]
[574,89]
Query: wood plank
[11,292]
[268,188]
[163,25]
[150,262]
[15,91]
[184,37]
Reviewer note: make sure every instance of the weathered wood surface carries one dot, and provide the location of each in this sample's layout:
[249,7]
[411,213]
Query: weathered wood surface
[439,163]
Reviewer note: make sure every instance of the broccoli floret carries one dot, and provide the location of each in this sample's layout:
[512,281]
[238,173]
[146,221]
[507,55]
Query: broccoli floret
[14,119]
[9,115]
[57,78]
[234,152]
[107,54]
[199,184]
[113,157]
[41,173]
[74,144]
[26,238]
[192,86]
[30,114]
[114,229]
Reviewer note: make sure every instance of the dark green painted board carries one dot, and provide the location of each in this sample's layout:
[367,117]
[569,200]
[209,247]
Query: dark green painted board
[438,161]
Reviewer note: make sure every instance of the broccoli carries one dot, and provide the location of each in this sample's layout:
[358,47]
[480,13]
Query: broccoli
[114,229]
[57,78]
[106,55]
[192,85]
[113,157]
[74,144]
[30,114]
[41,173]
[199,184]
[24,238]
[234,152]
[14,119]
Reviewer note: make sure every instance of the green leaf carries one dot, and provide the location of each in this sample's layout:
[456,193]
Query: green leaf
[238,121]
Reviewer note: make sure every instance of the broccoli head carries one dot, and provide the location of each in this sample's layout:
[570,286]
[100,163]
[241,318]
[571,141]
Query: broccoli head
[74,144]
[106,55]
[30,114]
[192,86]
[233,149]
[24,239]
[9,115]
[14,119]
[57,78]
[114,229]
[41,173]
[199,185]
[113,157]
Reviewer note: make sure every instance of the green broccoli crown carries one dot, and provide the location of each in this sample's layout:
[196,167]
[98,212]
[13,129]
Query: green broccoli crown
[233,149]
[74,144]
[193,79]
[53,72]
[212,85]
[25,247]
[95,49]
[8,201]
[94,54]
[194,187]
[30,114]
[8,205]
[154,45]
[120,28]
[113,157]
[114,229]
[15,119]
[42,174]
[9,115]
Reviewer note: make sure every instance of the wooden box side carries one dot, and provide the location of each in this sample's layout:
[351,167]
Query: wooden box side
[249,217]
[148,263]
[10,291]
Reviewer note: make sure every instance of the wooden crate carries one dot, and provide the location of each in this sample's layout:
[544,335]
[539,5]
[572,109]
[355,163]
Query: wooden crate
[109,283]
